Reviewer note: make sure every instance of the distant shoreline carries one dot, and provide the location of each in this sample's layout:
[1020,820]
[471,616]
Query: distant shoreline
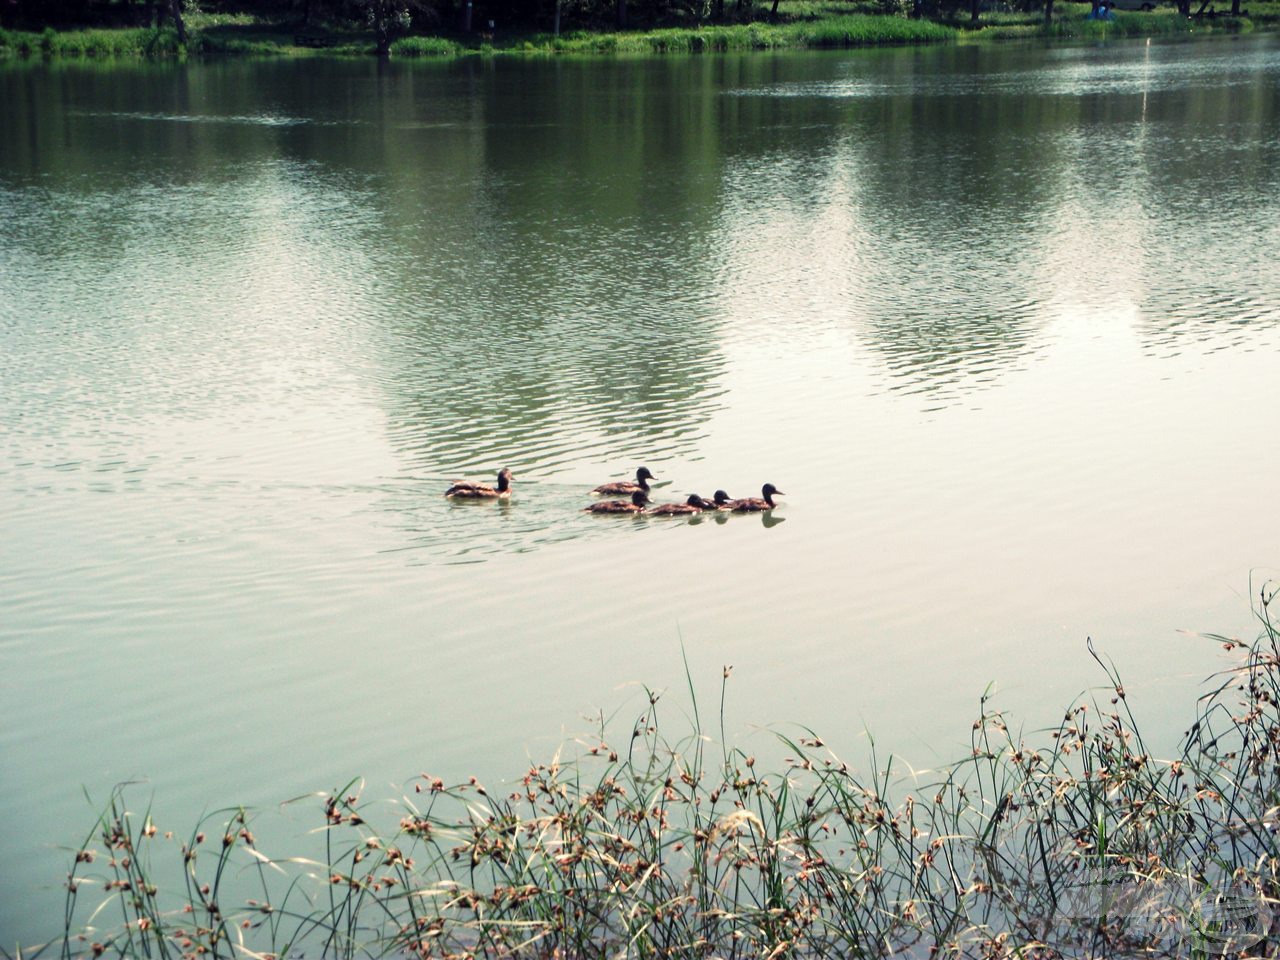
[237,37]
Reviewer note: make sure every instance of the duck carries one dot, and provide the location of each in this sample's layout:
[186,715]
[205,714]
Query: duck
[721,500]
[468,490]
[695,504]
[640,484]
[639,500]
[755,504]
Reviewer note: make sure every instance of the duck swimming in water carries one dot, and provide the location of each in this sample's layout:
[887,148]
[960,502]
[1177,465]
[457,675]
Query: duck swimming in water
[639,500]
[467,490]
[756,504]
[695,504]
[640,484]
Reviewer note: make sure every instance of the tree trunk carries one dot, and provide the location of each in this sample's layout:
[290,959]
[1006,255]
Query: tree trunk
[1235,8]
[773,12]
[973,11]
[622,14]
[1048,12]
[557,21]
[175,11]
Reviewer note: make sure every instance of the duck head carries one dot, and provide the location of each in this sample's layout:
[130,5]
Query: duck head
[720,498]
[643,474]
[640,498]
[505,476]
[770,491]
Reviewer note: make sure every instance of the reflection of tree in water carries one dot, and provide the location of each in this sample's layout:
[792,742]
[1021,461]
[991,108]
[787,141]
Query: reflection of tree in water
[899,211]
[1214,202]
[954,195]
[545,264]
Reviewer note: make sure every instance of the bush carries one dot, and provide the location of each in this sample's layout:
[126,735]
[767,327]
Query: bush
[424,47]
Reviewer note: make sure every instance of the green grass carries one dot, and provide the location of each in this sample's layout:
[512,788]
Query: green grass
[1157,23]
[848,30]
[630,843]
[425,47]
[105,43]
[1070,22]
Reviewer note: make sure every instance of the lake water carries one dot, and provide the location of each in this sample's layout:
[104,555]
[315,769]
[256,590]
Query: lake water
[1002,322]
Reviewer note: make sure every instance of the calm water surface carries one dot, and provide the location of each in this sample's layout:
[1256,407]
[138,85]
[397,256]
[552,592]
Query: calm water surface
[1003,323]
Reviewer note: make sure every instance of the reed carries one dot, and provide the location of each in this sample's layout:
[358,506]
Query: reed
[1078,842]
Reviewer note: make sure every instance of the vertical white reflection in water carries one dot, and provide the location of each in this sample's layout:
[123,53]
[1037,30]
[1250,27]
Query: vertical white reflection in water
[796,250]
[792,295]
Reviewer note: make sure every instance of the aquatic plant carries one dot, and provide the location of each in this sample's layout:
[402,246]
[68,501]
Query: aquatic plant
[1079,842]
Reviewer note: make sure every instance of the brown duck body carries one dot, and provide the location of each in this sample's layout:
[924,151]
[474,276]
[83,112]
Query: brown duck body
[695,504]
[755,504]
[468,490]
[636,504]
[627,487]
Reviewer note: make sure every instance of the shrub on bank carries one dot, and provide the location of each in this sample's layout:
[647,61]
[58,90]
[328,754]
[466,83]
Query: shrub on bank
[424,47]
[861,30]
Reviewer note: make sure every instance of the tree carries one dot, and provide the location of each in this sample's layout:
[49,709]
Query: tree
[175,11]
[388,18]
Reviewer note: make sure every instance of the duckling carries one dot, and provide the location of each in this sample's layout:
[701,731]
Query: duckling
[639,500]
[755,504]
[641,484]
[468,490]
[695,504]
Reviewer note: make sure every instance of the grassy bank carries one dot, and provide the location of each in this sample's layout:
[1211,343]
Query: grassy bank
[1074,842]
[850,30]
[801,24]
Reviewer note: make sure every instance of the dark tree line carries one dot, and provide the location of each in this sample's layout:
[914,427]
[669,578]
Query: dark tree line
[385,18]
[37,14]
